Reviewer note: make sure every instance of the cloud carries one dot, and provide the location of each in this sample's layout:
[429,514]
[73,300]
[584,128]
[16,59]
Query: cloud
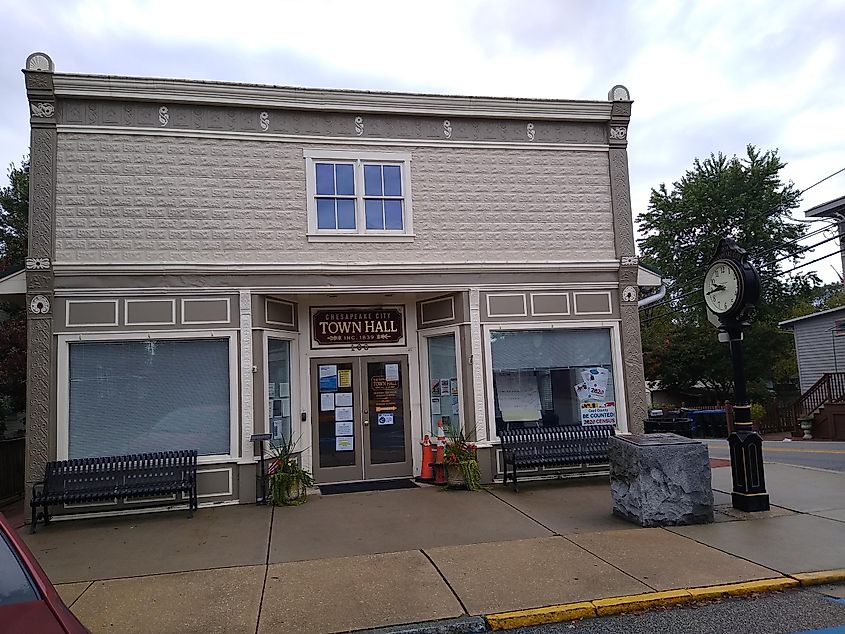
[706,77]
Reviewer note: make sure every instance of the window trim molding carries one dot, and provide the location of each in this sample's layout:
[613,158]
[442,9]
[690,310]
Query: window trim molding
[293,372]
[361,233]
[63,383]
[423,336]
[620,386]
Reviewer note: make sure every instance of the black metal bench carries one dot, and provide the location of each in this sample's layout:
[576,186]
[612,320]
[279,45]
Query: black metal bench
[84,480]
[563,446]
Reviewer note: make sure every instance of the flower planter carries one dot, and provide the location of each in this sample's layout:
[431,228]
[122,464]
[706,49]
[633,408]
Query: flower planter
[807,428]
[455,477]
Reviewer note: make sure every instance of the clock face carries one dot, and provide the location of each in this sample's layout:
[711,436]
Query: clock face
[722,287]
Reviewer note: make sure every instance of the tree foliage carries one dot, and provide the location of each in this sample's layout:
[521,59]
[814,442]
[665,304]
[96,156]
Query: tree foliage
[745,199]
[14,217]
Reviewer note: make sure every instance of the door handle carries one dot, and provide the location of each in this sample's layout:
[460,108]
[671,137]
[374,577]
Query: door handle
[366,422]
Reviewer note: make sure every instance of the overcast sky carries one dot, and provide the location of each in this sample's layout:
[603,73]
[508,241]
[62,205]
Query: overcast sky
[705,76]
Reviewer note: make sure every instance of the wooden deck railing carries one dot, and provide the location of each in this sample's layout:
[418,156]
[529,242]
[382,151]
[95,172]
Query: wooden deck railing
[830,388]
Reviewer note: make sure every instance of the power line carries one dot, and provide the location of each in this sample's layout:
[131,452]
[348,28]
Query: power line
[693,275]
[785,257]
[763,279]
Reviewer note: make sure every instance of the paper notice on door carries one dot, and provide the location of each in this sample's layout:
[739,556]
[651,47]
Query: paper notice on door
[344,378]
[343,399]
[271,390]
[344,443]
[284,390]
[435,406]
[453,386]
[444,387]
[327,402]
[385,419]
[519,397]
[391,371]
[343,428]
[455,407]
[285,407]
[342,413]
[328,378]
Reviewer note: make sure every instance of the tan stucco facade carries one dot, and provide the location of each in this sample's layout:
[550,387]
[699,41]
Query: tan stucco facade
[176,210]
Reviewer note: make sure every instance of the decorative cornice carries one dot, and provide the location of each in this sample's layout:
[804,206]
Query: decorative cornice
[331,140]
[331,267]
[232,94]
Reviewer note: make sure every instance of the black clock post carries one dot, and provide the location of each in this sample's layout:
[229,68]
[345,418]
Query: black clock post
[731,292]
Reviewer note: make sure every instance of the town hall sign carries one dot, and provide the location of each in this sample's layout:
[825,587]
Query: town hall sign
[357,325]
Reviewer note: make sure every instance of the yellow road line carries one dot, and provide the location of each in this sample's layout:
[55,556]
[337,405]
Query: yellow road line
[799,451]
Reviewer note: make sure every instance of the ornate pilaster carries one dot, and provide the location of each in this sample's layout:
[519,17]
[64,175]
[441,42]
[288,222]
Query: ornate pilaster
[475,331]
[247,404]
[40,417]
[623,229]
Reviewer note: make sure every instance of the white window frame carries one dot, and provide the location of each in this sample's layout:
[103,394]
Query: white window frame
[295,419]
[358,160]
[615,358]
[424,378]
[63,383]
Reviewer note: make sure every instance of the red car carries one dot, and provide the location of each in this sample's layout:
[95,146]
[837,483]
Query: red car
[28,601]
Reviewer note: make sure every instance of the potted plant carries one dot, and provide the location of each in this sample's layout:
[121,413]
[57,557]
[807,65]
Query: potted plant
[461,460]
[288,481]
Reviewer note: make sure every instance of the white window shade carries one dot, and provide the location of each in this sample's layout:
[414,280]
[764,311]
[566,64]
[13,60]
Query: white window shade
[151,395]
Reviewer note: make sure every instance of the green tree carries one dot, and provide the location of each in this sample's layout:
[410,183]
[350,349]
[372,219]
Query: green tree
[746,199]
[14,216]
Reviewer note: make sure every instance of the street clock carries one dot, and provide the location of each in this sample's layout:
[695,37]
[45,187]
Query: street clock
[731,284]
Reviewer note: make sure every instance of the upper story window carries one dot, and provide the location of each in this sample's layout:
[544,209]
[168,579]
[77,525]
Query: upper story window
[358,195]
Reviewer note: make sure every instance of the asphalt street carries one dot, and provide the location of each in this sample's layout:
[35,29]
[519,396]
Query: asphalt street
[816,454]
[791,612]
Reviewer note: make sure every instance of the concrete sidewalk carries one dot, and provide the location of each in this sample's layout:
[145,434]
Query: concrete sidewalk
[367,560]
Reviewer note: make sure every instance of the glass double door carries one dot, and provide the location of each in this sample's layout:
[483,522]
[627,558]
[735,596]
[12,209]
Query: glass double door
[360,418]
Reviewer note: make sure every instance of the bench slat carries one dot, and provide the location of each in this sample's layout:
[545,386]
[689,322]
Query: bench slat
[110,478]
[562,446]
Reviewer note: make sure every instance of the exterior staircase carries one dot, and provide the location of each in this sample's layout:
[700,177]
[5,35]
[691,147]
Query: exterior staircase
[824,404]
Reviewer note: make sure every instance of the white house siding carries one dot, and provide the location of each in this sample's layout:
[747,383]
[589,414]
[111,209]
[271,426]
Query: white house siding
[814,346]
[149,199]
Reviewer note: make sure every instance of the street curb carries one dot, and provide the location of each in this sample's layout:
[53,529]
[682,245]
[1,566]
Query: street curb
[818,578]
[460,625]
[635,602]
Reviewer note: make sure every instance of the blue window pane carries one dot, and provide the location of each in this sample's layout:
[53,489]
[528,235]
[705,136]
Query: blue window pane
[345,180]
[372,180]
[345,213]
[392,180]
[375,214]
[325,213]
[325,179]
[392,213]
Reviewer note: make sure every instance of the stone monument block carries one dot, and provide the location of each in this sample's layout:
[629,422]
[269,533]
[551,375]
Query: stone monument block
[660,479]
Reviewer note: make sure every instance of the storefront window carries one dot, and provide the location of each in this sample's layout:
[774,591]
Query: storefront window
[552,377]
[152,395]
[278,389]
[443,383]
